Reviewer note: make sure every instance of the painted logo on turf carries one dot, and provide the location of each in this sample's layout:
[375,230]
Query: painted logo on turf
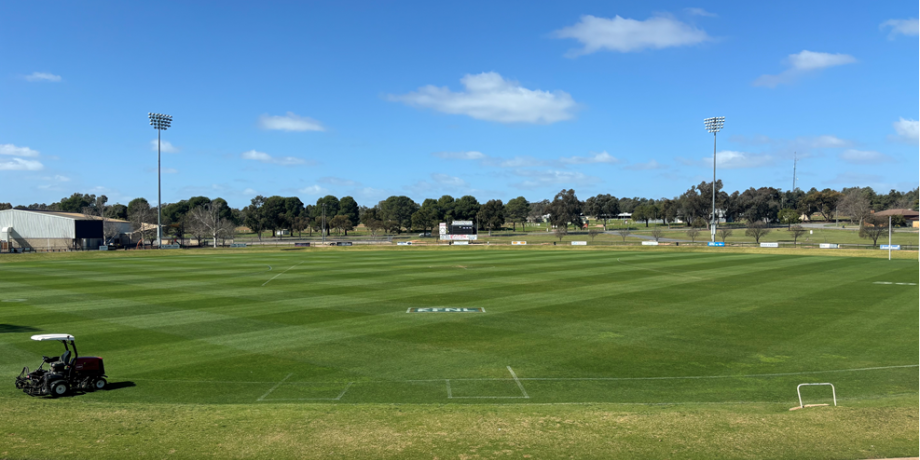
[445,310]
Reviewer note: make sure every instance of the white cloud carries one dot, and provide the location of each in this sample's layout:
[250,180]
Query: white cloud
[699,12]
[338,181]
[249,191]
[729,159]
[165,146]
[863,156]
[602,157]
[909,27]
[471,155]
[266,158]
[10,149]
[448,181]
[536,179]
[823,142]
[314,190]
[43,76]
[626,35]
[519,162]
[289,122]
[803,63]
[57,178]
[907,129]
[18,164]
[652,164]
[488,96]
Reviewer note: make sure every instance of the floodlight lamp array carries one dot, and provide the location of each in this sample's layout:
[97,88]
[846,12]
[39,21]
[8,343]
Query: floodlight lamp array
[160,120]
[714,124]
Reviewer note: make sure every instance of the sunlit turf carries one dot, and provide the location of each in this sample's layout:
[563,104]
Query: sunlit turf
[330,327]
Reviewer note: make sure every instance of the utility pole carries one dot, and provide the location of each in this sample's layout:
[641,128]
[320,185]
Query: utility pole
[324,222]
[795,160]
[160,122]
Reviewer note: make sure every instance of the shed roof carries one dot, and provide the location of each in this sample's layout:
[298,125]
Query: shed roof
[898,212]
[69,215]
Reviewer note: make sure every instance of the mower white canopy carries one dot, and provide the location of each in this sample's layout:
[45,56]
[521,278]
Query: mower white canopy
[63,337]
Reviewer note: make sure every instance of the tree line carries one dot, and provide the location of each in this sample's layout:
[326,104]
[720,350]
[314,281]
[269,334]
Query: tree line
[213,218]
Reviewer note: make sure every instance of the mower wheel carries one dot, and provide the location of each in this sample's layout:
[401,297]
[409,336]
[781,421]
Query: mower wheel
[58,388]
[99,384]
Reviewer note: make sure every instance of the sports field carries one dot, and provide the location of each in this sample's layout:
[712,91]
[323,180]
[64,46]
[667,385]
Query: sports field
[332,329]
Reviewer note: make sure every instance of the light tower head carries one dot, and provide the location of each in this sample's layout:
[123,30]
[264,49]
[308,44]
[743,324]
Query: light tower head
[714,124]
[160,121]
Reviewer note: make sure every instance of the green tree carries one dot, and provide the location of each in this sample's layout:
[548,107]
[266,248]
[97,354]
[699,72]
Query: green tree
[446,209]
[796,231]
[788,216]
[348,207]
[273,213]
[254,218]
[136,204]
[465,208]
[646,212]
[76,202]
[398,210]
[724,232]
[327,206]
[517,210]
[873,227]
[425,218]
[492,215]
[603,207]
[565,209]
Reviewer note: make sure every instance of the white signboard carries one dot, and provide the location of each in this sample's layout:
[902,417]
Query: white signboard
[828,246]
[462,243]
[579,243]
[649,243]
[442,228]
[404,243]
[459,237]
[769,245]
[522,243]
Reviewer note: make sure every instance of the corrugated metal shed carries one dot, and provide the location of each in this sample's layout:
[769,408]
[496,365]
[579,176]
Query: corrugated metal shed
[33,224]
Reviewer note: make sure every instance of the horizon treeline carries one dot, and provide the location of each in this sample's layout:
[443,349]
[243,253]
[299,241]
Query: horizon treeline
[400,213]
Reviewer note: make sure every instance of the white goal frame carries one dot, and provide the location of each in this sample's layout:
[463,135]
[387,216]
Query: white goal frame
[798,390]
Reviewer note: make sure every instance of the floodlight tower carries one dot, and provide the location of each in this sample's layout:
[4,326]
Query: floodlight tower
[714,125]
[160,122]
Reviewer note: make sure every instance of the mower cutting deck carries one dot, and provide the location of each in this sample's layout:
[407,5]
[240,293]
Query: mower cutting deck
[67,373]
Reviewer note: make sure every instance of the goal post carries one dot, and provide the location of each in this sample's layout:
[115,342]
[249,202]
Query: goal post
[798,390]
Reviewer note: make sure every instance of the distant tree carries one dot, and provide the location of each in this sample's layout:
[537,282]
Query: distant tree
[657,233]
[593,233]
[117,211]
[330,209]
[425,218]
[565,209]
[757,230]
[491,215]
[398,209]
[538,210]
[254,218]
[76,202]
[668,210]
[206,220]
[374,226]
[561,232]
[602,207]
[348,207]
[788,216]
[796,231]
[724,232]
[693,233]
[446,209]
[5,206]
[273,212]
[301,223]
[341,224]
[143,222]
[699,223]
[646,212]
[623,233]
[873,227]
[465,208]
[856,204]
[517,210]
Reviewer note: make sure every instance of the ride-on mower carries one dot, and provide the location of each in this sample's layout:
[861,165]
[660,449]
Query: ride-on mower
[66,373]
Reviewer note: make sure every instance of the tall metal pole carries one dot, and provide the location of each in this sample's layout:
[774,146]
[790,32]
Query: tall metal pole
[159,195]
[712,227]
[889,237]
[324,222]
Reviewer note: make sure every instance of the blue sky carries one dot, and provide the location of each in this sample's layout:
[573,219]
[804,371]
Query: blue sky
[493,99]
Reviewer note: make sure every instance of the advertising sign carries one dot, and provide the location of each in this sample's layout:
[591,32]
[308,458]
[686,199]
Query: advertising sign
[515,243]
[404,243]
[827,246]
[243,245]
[719,244]
[103,248]
[649,243]
[296,245]
[769,245]
[579,243]
[459,237]
[462,243]
[343,243]
[442,228]
[893,247]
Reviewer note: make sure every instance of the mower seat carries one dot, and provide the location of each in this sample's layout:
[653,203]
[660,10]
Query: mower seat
[65,358]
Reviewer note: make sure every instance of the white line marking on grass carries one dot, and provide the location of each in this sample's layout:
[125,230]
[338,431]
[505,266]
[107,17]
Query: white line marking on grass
[337,398]
[279,274]
[274,387]
[721,376]
[13,300]
[518,382]
[450,395]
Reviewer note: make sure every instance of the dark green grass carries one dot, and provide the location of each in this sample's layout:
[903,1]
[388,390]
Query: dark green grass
[575,326]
